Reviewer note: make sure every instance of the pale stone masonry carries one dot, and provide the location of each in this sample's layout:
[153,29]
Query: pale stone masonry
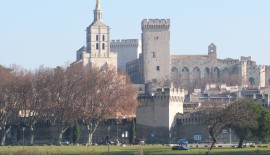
[126,50]
[156,50]
[97,51]
[156,115]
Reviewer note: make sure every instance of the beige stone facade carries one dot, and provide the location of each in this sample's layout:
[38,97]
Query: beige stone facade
[126,50]
[156,50]
[97,51]
[156,115]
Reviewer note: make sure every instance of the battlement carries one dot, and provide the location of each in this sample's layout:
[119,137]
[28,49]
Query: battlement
[154,24]
[229,61]
[125,42]
[170,91]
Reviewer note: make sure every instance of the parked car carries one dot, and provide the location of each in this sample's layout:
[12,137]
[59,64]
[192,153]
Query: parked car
[140,142]
[65,142]
[183,142]
[180,147]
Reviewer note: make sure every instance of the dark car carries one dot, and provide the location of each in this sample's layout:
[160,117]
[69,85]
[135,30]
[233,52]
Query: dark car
[65,142]
[180,147]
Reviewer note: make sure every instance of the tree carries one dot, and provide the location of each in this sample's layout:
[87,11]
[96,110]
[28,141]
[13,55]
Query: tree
[62,109]
[37,100]
[257,126]
[9,99]
[235,114]
[243,129]
[263,131]
[132,132]
[76,133]
[105,94]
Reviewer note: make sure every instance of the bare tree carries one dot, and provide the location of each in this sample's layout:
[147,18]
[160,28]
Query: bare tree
[61,107]
[9,100]
[33,89]
[105,94]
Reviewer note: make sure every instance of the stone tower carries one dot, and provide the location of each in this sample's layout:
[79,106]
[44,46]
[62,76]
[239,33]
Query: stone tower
[97,51]
[155,115]
[98,35]
[156,50]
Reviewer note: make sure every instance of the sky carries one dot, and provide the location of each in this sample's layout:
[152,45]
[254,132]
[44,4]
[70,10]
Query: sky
[49,32]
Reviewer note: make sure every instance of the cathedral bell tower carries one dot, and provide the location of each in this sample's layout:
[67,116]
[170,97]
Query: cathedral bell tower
[98,35]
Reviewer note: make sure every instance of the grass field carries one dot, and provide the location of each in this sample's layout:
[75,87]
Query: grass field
[114,150]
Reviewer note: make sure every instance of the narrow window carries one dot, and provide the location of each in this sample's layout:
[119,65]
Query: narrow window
[96,37]
[158,68]
[97,46]
[103,38]
[103,46]
[153,54]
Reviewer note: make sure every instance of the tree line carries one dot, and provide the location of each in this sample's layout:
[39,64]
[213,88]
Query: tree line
[62,96]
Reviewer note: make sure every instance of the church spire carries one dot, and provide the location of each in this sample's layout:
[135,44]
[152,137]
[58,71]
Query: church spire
[98,12]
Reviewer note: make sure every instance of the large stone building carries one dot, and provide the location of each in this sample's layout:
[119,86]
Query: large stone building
[163,114]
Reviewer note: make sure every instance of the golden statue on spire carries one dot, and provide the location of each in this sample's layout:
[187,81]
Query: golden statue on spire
[98,2]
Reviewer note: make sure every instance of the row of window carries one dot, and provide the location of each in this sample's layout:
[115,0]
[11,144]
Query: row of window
[97,37]
[103,46]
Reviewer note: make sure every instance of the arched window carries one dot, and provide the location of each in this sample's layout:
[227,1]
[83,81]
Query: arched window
[96,37]
[103,38]
[103,46]
[269,82]
[97,46]
[251,81]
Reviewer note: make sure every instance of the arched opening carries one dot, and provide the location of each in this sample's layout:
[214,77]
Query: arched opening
[97,46]
[196,77]
[185,76]
[225,76]
[207,75]
[234,79]
[96,37]
[103,46]
[251,81]
[216,75]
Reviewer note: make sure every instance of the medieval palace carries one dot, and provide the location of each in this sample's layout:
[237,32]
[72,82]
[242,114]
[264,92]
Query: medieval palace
[171,87]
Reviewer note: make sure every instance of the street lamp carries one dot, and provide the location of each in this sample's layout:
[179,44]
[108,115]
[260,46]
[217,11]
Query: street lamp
[108,141]
[230,130]
[23,128]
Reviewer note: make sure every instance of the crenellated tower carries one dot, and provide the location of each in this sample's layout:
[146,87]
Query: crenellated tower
[156,50]
[156,114]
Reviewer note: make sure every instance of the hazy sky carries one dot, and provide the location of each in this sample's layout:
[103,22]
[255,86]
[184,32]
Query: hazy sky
[49,32]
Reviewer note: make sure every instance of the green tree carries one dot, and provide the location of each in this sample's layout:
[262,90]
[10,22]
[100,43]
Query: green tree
[132,133]
[262,132]
[76,133]
[243,129]
[256,127]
